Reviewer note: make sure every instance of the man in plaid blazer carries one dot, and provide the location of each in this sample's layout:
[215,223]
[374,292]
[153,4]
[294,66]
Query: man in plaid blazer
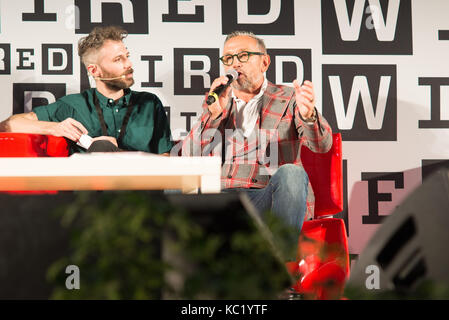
[258,129]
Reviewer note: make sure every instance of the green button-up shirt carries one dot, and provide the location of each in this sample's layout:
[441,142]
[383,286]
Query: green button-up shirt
[147,130]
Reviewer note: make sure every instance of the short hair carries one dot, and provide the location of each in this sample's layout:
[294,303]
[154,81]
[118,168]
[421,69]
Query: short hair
[260,42]
[89,45]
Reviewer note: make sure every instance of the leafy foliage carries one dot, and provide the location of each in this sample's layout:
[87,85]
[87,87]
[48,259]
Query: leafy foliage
[134,245]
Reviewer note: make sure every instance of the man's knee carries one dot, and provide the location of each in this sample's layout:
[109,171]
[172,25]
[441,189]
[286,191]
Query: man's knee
[292,173]
[102,146]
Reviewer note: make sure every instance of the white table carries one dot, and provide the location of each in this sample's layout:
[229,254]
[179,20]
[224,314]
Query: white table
[111,171]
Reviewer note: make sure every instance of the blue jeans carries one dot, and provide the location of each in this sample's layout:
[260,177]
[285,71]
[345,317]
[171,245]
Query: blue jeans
[285,195]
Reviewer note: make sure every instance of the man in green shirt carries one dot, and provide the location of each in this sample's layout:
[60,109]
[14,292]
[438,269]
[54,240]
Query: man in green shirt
[113,115]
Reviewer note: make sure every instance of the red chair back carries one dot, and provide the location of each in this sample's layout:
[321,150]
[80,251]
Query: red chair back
[327,184]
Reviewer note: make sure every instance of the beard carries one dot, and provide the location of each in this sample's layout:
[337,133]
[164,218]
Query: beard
[245,83]
[242,84]
[118,84]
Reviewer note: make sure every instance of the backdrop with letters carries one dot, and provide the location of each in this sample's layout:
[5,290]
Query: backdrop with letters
[379,67]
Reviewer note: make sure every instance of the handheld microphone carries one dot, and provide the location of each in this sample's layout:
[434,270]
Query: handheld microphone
[213,96]
[107,79]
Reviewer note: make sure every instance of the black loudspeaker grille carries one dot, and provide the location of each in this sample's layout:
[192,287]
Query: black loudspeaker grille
[397,242]
[410,247]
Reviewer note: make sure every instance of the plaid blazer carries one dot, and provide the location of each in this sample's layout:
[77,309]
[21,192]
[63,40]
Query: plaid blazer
[249,162]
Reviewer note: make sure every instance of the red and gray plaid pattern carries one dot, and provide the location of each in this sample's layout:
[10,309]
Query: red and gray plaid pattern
[250,162]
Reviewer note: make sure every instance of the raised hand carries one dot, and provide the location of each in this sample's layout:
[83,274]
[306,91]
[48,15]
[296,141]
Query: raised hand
[305,98]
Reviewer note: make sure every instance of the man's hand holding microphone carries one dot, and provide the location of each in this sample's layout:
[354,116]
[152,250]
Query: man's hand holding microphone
[218,96]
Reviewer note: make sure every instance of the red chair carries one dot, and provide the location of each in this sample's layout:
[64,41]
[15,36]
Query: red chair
[32,145]
[322,265]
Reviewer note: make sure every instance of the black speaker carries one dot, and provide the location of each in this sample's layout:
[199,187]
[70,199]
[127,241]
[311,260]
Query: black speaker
[227,213]
[411,244]
[228,217]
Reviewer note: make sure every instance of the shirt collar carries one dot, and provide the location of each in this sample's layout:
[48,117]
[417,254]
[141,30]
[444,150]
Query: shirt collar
[123,101]
[259,95]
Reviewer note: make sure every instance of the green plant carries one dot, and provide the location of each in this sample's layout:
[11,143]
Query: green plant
[135,245]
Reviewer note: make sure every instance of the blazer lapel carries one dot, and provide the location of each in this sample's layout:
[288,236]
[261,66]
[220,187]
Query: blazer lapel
[274,103]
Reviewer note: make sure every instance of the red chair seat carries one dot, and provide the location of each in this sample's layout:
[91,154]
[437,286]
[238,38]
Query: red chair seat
[322,264]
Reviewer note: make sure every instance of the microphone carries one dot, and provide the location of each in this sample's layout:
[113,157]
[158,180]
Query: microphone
[213,96]
[107,79]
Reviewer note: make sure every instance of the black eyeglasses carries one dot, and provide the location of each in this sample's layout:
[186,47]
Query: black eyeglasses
[243,56]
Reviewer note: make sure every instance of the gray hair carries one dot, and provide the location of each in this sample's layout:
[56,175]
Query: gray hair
[260,42]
